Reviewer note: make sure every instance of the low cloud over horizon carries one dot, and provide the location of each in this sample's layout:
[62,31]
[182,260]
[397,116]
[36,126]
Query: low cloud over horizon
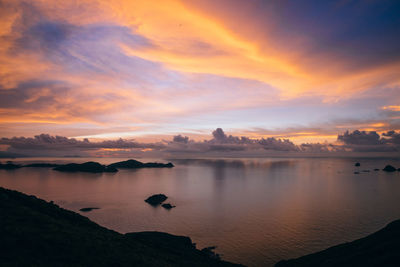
[219,144]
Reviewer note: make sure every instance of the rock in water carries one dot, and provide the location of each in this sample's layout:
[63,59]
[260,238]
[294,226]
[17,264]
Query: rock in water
[88,209]
[168,206]
[389,168]
[156,200]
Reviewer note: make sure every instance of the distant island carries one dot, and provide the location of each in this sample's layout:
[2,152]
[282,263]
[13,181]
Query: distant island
[91,166]
[39,233]
[134,164]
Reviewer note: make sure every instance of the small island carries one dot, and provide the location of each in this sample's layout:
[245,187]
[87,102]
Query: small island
[9,166]
[134,164]
[167,206]
[156,200]
[389,168]
[41,165]
[88,209]
[91,166]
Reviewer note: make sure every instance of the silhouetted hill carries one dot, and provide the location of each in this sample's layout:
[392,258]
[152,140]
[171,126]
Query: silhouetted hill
[90,166]
[42,165]
[134,164]
[9,166]
[37,233]
[381,248]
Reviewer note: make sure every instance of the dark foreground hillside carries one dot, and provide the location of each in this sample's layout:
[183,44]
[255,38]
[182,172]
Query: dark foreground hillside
[381,248]
[37,233]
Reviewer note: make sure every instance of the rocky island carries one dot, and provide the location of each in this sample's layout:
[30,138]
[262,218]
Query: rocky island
[134,164]
[168,206]
[90,166]
[9,166]
[88,209]
[389,168]
[156,200]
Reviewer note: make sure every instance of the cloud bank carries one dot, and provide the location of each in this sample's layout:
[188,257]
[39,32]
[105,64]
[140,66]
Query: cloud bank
[220,144]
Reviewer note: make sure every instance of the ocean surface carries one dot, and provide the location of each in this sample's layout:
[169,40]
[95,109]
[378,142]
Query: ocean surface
[256,211]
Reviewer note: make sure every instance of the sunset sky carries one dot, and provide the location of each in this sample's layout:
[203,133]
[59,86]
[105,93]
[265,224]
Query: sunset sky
[151,70]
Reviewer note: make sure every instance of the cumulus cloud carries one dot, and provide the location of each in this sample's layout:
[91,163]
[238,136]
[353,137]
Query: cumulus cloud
[45,144]
[220,144]
[180,139]
[364,141]
[360,138]
[392,137]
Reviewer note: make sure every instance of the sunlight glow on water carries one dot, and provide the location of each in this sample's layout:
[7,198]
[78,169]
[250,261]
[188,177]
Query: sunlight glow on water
[256,211]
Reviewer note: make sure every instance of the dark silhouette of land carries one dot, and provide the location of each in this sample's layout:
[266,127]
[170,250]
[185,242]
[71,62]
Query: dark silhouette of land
[156,200]
[168,206]
[9,166]
[381,248]
[134,164]
[389,168]
[88,209]
[90,166]
[42,165]
[39,233]
[93,167]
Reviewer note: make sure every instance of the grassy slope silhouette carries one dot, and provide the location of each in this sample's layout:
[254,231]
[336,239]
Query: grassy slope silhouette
[38,233]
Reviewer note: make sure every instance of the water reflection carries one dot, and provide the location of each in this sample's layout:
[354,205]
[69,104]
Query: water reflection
[257,211]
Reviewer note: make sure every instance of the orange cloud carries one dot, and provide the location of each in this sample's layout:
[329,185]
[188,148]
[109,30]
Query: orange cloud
[185,38]
[391,108]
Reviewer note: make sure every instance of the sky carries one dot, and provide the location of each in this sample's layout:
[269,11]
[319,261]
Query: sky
[144,73]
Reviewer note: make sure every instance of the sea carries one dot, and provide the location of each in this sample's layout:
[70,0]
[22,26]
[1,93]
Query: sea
[255,211]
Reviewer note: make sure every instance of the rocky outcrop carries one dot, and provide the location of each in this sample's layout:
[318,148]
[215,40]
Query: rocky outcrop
[389,168]
[156,200]
[168,206]
[88,209]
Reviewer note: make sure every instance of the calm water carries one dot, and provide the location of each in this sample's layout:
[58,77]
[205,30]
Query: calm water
[256,211]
